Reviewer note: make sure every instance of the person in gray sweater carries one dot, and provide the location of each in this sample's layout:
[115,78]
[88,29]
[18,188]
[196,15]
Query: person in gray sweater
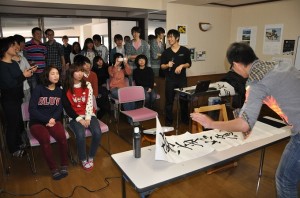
[276,85]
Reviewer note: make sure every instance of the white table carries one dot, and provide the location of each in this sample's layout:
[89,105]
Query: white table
[146,174]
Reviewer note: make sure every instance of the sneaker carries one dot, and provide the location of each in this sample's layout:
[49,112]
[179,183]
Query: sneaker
[86,165]
[56,175]
[91,161]
[64,171]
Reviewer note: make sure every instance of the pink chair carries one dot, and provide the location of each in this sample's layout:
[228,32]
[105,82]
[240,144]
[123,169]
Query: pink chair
[135,94]
[32,142]
[113,101]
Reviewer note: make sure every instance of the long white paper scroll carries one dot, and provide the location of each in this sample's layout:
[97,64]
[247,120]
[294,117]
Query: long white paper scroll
[189,146]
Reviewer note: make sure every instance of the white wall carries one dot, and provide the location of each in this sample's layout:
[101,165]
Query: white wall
[214,41]
[283,12]
[152,25]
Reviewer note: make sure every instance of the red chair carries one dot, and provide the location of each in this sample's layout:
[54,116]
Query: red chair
[134,94]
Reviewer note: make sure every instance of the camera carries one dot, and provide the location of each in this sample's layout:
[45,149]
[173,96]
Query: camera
[122,59]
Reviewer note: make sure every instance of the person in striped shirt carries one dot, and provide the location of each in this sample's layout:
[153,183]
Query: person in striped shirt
[36,53]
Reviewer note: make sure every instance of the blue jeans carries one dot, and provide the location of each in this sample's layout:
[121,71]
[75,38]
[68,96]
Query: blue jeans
[150,98]
[288,171]
[79,131]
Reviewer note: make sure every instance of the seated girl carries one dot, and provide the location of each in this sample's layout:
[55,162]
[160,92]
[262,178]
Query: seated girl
[144,76]
[117,73]
[45,110]
[78,104]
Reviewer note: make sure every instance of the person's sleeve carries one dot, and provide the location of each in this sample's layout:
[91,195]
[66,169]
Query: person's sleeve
[163,59]
[127,69]
[254,99]
[27,65]
[21,78]
[59,108]
[33,106]
[45,51]
[147,51]
[89,104]
[67,106]
[188,57]
[95,84]
[153,50]
[110,71]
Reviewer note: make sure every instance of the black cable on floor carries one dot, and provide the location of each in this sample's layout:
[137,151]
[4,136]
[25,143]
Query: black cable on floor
[2,191]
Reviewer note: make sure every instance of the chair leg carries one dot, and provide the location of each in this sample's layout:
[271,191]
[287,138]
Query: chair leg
[107,150]
[4,162]
[71,154]
[32,163]
[118,122]
[4,153]
[108,143]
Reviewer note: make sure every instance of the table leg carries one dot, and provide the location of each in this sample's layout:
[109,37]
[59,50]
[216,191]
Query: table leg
[191,104]
[177,110]
[261,164]
[123,187]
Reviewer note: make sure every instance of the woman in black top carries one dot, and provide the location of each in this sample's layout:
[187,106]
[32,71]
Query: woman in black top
[144,76]
[11,86]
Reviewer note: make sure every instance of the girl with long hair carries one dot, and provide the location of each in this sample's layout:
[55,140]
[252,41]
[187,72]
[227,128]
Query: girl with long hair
[78,104]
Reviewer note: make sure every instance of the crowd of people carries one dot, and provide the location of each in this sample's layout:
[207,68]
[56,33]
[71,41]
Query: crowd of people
[52,77]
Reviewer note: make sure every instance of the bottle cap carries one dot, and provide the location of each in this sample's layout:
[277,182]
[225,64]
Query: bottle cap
[136,130]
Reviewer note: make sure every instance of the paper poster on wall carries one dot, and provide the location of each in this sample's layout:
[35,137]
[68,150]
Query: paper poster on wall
[201,56]
[182,29]
[247,34]
[288,47]
[192,53]
[272,39]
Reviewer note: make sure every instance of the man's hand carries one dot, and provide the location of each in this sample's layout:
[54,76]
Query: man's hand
[203,119]
[178,69]
[170,64]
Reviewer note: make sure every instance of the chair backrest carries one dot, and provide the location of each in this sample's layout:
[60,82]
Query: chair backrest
[131,94]
[196,127]
[25,111]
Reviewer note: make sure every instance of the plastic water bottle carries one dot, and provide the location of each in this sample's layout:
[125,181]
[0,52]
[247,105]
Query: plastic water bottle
[137,142]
